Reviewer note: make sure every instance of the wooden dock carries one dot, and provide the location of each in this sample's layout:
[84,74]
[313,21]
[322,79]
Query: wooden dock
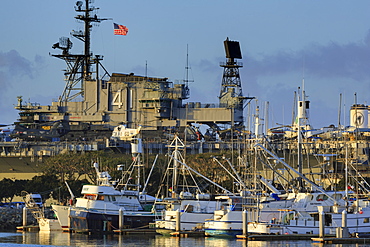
[147,231]
[276,237]
[328,240]
[31,228]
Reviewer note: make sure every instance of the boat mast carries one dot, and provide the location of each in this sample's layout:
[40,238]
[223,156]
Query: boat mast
[299,141]
[176,144]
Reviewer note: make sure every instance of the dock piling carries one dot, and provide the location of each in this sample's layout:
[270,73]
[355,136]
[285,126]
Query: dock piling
[24,216]
[321,224]
[245,223]
[342,232]
[344,219]
[178,220]
[121,219]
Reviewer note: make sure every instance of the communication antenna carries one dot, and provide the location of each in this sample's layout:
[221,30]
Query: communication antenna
[187,69]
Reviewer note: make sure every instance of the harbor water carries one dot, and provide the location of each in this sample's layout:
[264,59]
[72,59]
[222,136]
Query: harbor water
[71,239]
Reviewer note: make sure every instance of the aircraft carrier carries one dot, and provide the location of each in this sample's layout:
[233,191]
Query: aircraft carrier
[95,101]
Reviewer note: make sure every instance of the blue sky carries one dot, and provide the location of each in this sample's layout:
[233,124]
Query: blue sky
[325,42]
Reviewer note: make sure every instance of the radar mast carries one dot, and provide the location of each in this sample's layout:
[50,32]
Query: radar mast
[231,95]
[79,66]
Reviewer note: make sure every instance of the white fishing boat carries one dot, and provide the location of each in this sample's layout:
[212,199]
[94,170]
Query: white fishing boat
[185,215]
[62,214]
[300,222]
[227,222]
[186,208]
[98,208]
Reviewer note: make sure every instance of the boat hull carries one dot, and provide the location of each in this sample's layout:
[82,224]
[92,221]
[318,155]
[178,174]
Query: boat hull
[222,233]
[100,222]
[62,215]
[49,225]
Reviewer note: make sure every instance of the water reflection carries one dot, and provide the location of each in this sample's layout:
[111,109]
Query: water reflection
[71,239]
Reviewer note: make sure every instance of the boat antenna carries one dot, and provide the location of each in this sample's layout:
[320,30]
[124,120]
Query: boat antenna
[339,111]
[146,69]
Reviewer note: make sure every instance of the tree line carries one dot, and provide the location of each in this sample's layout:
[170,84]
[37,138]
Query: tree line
[77,169]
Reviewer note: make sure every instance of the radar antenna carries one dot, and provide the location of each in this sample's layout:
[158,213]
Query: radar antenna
[231,94]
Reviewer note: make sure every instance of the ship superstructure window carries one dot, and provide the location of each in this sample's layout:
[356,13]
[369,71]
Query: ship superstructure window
[104,84]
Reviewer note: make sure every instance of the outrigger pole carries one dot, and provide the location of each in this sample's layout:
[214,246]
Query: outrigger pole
[298,173]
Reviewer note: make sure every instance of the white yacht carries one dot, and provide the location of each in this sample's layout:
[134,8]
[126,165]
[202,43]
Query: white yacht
[186,213]
[98,208]
[357,216]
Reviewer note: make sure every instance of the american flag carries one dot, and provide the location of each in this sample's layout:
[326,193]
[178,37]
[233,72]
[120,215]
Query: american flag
[120,29]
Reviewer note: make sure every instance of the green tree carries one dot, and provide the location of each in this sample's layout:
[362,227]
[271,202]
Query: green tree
[72,166]
[19,185]
[7,191]
[43,184]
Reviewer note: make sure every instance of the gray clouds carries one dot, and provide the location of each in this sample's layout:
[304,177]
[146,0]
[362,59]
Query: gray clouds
[329,61]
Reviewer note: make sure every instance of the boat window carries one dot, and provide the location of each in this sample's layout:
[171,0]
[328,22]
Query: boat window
[101,198]
[366,220]
[337,196]
[236,200]
[322,197]
[90,196]
[113,198]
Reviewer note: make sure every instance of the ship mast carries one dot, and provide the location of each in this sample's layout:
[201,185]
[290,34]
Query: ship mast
[79,66]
